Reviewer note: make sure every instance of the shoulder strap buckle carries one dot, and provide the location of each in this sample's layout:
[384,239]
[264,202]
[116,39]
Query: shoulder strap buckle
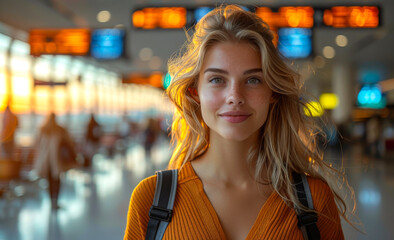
[160,214]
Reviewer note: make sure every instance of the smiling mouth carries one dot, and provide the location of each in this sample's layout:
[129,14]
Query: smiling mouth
[235,118]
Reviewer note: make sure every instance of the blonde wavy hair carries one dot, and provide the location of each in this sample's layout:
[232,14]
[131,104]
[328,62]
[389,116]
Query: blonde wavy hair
[288,139]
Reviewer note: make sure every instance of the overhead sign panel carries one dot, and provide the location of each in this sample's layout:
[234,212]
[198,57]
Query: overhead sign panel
[108,43]
[352,17]
[59,41]
[49,83]
[295,42]
[370,96]
[162,17]
[276,17]
[154,79]
[296,17]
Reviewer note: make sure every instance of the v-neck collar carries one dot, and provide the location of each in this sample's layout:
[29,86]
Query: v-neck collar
[265,211]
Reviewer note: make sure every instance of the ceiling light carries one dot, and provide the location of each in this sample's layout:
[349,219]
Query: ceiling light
[341,40]
[328,52]
[145,54]
[103,16]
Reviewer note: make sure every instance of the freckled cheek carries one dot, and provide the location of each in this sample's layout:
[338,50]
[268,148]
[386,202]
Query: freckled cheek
[210,101]
[261,99]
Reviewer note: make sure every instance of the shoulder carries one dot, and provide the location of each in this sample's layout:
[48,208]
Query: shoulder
[145,190]
[141,200]
[186,173]
[321,192]
[143,194]
[140,203]
[319,186]
[329,222]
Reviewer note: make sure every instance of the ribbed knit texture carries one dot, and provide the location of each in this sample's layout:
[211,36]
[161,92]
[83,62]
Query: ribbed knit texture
[195,218]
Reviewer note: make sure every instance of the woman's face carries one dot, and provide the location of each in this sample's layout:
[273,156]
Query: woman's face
[233,95]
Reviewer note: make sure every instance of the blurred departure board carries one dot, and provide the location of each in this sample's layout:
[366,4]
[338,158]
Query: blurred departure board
[295,42]
[353,17]
[155,79]
[107,43]
[276,17]
[296,17]
[59,41]
[162,17]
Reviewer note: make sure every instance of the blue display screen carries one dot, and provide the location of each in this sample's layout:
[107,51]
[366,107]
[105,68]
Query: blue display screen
[295,42]
[107,43]
[370,96]
[201,12]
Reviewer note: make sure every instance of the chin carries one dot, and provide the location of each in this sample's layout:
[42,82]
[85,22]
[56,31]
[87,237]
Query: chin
[239,136]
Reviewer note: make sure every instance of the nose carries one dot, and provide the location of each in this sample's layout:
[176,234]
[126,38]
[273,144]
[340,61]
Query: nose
[235,96]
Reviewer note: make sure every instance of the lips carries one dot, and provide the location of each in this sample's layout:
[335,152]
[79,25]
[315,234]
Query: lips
[235,116]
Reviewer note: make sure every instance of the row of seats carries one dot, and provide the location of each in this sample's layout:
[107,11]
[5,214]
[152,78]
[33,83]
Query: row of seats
[15,170]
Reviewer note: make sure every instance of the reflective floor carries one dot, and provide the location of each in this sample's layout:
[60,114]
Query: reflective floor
[94,201]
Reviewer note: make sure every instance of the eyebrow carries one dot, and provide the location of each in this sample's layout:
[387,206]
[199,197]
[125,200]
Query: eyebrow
[218,70]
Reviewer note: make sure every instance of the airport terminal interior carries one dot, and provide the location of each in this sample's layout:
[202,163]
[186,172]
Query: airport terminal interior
[99,69]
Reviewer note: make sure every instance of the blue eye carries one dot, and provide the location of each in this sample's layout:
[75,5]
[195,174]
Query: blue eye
[216,80]
[254,81]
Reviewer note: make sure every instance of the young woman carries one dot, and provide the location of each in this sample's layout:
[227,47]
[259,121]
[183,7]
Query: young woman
[240,132]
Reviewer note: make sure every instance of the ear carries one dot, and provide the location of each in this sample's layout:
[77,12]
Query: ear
[193,92]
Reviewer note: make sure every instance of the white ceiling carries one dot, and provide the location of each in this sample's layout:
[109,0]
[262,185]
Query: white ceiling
[366,46]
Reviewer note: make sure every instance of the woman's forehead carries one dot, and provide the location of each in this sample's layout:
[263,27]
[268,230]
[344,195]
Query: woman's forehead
[231,56]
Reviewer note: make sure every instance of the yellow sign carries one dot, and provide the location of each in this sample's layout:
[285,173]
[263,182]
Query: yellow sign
[329,100]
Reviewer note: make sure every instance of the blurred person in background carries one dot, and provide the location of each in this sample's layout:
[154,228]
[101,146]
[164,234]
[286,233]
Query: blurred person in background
[151,133]
[135,130]
[92,140]
[240,135]
[374,133]
[55,154]
[123,128]
[7,135]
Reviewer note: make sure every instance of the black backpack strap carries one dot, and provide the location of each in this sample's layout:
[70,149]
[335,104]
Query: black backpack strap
[306,220]
[161,211]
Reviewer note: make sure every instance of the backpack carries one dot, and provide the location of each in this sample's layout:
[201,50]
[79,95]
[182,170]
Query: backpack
[160,213]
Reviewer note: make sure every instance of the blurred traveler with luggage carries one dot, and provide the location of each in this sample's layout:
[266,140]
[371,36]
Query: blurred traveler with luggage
[92,139]
[55,154]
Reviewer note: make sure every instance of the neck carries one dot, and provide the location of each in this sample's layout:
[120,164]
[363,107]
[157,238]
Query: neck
[226,161]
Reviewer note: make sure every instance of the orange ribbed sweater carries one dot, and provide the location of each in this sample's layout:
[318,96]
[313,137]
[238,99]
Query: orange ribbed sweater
[195,218]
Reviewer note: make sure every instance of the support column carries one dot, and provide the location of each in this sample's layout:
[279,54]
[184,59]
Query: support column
[33,112]
[343,87]
[8,74]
